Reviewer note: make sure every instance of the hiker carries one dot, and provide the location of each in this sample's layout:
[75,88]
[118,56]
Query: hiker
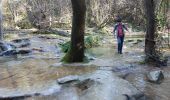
[119,31]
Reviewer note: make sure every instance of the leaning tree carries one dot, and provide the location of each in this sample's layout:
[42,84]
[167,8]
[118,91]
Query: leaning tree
[76,52]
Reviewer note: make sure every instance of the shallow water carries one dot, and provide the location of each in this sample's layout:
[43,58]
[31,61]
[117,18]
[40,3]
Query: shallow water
[129,67]
[31,74]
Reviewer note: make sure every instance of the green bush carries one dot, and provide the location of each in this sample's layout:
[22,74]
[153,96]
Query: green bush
[65,46]
[90,41]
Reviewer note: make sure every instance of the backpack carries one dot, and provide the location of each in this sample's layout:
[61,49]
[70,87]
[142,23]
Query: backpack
[120,30]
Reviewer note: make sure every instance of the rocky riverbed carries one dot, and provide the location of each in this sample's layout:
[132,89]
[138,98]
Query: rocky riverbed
[31,70]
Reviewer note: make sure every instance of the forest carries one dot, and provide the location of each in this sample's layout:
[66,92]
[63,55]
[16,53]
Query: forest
[84,49]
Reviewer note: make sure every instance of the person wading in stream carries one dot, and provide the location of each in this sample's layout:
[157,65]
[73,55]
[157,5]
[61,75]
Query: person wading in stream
[119,32]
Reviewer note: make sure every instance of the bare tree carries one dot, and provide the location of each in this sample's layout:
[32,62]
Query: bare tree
[43,13]
[76,52]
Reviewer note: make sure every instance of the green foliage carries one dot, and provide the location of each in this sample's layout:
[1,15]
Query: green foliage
[161,20]
[142,62]
[90,41]
[65,46]
[162,14]
[69,59]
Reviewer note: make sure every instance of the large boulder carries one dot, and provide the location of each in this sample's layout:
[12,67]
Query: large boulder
[155,76]
[7,49]
[21,43]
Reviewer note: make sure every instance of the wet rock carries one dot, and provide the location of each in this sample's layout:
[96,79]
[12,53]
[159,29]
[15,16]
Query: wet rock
[38,49]
[107,87]
[21,40]
[61,32]
[15,98]
[23,52]
[155,76]
[138,40]
[2,47]
[130,40]
[138,96]
[91,57]
[83,85]
[8,53]
[22,97]
[135,43]
[21,43]
[68,79]
[24,45]
[47,37]
[7,49]
[6,46]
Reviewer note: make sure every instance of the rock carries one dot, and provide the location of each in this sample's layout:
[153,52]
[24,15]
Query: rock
[83,85]
[138,96]
[138,40]
[21,43]
[130,40]
[107,86]
[92,58]
[24,52]
[15,98]
[2,47]
[38,49]
[6,46]
[68,79]
[21,40]
[24,45]
[7,49]
[8,53]
[47,37]
[155,76]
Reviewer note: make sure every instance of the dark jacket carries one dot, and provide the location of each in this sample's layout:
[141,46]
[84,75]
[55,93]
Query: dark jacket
[115,31]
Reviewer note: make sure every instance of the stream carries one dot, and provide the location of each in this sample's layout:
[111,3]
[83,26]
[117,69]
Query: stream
[33,76]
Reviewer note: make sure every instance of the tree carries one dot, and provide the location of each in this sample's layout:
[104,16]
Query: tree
[76,52]
[1,33]
[150,43]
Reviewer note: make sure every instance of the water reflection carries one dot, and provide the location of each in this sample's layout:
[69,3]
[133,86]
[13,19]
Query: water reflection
[34,76]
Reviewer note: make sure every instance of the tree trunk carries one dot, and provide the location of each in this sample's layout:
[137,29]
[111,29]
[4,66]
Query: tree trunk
[150,42]
[76,52]
[1,32]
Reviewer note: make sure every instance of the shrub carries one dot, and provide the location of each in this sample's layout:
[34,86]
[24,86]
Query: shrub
[90,42]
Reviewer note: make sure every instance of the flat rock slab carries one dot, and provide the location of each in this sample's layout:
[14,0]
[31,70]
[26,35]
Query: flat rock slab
[98,85]
[68,79]
[108,87]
